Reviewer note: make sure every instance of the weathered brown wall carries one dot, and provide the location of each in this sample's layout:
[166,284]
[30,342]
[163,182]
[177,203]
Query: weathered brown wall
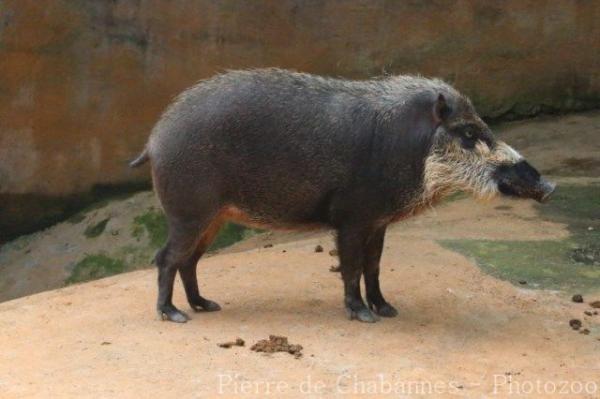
[81,82]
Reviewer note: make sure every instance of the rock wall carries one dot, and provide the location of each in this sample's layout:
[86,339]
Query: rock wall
[82,81]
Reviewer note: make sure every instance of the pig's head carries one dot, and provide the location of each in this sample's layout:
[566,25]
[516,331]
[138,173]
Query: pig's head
[466,156]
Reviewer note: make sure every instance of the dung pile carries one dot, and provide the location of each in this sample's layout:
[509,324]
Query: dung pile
[277,344]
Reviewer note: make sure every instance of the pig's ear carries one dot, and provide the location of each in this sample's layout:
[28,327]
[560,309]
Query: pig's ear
[441,109]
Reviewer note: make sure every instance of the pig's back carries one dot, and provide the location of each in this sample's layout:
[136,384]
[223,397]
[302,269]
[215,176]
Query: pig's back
[257,132]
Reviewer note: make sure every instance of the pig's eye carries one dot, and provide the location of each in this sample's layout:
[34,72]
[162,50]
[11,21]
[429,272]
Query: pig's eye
[468,138]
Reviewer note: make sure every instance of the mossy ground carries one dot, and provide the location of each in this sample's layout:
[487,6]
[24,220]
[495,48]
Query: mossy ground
[554,264]
[154,224]
[230,234]
[151,225]
[95,266]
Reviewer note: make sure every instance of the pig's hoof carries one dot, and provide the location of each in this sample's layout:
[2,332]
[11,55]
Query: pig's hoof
[362,314]
[171,313]
[205,305]
[386,310]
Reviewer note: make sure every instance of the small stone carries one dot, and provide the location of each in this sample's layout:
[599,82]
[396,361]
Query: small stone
[595,304]
[585,331]
[268,246]
[318,248]
[333,252]
[577,298]
[522,282]
[588,313]
[105,343]
[575,324]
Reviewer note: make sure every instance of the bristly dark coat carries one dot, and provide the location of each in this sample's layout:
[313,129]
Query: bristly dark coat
[290,148]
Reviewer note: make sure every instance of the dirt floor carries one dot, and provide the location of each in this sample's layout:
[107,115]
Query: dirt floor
[457,327]
[469,324]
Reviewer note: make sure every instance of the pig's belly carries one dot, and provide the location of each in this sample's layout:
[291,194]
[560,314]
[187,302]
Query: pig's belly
[232,213]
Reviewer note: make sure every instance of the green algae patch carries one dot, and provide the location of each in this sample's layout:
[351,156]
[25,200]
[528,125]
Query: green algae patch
[569,264]
[231,233]
[95,266]
[534,264]
[576,205]
[154,224]
[96,229]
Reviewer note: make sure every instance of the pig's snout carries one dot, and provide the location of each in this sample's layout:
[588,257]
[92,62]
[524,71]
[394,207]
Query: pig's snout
[545,190]
[522,180]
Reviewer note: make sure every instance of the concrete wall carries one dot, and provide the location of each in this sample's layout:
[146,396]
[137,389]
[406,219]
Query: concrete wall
[82,82]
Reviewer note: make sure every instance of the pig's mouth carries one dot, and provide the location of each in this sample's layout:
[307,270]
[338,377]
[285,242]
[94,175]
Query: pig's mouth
[541,192]
[523,181]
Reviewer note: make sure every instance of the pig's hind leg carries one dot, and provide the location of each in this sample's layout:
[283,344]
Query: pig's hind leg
[188,274]
[182,250]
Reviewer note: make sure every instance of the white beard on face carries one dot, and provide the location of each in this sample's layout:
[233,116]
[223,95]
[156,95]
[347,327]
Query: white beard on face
[457,169]
[503,153]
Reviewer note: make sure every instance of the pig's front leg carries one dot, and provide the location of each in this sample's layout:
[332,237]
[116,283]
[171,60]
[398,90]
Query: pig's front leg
[351,244]
[375,298]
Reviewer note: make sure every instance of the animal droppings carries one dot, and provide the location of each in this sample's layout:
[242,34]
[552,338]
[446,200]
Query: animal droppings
[277,344]
[575,324]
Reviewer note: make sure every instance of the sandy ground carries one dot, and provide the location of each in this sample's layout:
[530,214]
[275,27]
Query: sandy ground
[460,332]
